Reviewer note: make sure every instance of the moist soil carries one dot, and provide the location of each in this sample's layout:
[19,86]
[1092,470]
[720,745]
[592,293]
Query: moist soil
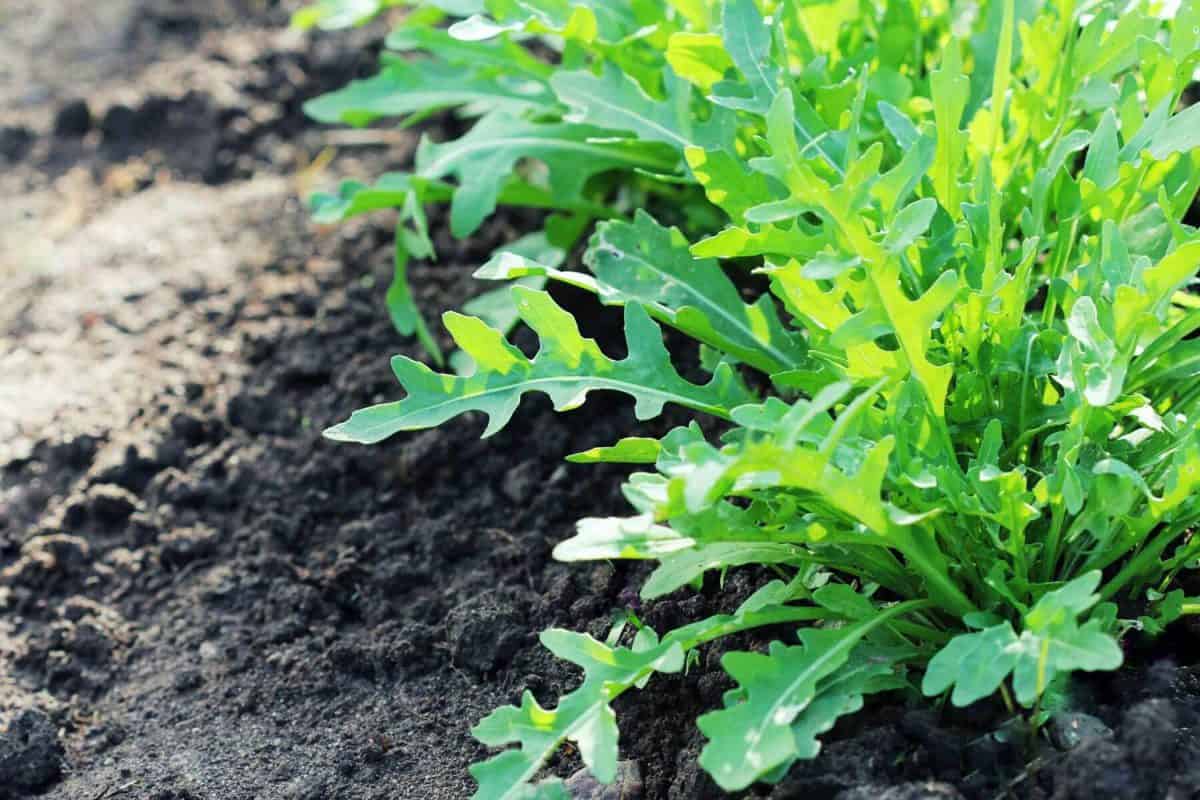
[202,598]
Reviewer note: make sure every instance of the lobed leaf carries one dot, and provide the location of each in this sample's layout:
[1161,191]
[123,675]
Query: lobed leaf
[649,264]
[423,85]
[615,101]
[755,736]
[483,159]
[1052,643]
[566,368]
[584,716]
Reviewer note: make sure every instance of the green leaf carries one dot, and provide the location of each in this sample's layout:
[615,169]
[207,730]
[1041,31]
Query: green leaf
[715,538]
[827,266]
[896,185]
[483,159]
[1001,68]
[698,13]
[586,21]
[1052,643]
[842,694]
[727,183]
[649,264]
[402,309]
[1101,164]
[698,58]
[1091,363]
[422,85]
[630,450]
[619,537]
[498,308]
[501,54]
[616,102]
[566,368]
[679,568]
[902,129]
[1060,650]
[336,14]
[755,736]
[645,263]
[844,601]
[392,190]
[975,664]
[950,90]
[584,716]
[747,39]
[404,192]
[1181,134]
[909,225]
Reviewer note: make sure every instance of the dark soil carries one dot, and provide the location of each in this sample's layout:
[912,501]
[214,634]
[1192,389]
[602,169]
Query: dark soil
[202,598]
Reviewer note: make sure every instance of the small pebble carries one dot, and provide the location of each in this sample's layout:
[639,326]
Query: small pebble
[1067,729]
[627,786]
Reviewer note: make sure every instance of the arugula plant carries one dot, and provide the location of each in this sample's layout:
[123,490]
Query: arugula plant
[973,467]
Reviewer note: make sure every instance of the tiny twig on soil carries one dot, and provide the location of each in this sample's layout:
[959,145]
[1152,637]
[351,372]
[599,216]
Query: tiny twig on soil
[368,138]
[112,790]
[1031,769]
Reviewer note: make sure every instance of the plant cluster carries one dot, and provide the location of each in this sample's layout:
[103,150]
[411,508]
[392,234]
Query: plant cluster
[970,458]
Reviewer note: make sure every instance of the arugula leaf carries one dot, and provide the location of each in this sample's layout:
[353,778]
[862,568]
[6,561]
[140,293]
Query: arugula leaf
[483,159]
[678,569]
[1181,134]
[584,715]
[392,190]
[566,368]
[747,39]
[650,264]
[615,101]
[645,263]
[638,537]
[630,450]
[1052,643]
[753,737]
[402,309]
[698,58]
[423,85]
[336,14]
[500,54]
[911,222]
[586,20]
[949,89]
[726,181]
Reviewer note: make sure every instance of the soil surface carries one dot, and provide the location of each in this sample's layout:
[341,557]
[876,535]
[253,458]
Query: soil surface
[202,598]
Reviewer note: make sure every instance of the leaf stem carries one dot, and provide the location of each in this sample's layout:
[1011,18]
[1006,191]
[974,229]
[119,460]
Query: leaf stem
[942,590]
[1062,255]
[1050,554]
[1139,563]
[753,619]
[1006,695]
[1127,206]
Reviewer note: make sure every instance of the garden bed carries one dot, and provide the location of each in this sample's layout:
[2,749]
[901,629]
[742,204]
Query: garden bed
[202,598]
